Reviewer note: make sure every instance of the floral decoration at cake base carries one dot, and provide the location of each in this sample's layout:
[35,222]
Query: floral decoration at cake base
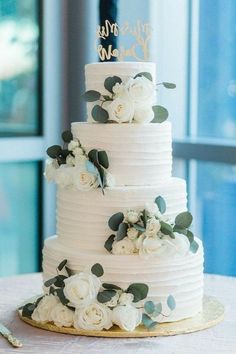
[212,314]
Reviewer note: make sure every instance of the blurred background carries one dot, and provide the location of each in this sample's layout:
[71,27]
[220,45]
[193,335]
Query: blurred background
[44,46]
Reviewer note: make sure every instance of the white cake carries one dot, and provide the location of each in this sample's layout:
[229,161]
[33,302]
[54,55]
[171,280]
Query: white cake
[140,160]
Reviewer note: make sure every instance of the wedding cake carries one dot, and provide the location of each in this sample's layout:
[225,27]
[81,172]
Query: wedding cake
[123,253]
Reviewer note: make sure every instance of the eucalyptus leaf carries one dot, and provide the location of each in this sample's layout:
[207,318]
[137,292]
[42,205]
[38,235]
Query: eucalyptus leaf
[60,281]
[144,218]
[184,220]
[105,295]
[110,82]
[103,159]
[61,295]
[149,307]
[167,229]
[179,230]
[65,152]
[194,246]
[101,177]
[147,75]
[97,270]
[109,242]
[160,114]
[111,286]
[69,271]
[54,151]
[171,302]
[107,98]
[91,96]
[67,136]
[50,282]
[62,264]
[139,290]
[93,155]
[115,220]
[99,114]
[28,310]
[157,310]
[139,227]
[148,322]
[122,231]
[169,85]
[190,236]
[160,202]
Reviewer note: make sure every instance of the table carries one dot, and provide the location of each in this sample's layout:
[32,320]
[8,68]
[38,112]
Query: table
[220,339]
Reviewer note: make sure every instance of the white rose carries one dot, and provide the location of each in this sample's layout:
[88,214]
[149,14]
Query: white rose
[43,311]
[62,316]
[126,317]
[110,180]
[50,170]
[151,245]
[93,317]
[140,90]
[121,110]
[153,227]
[143,114]
[153,209]
[70,160]
[64,176]
[125,246]
[80,289]
[80,160]
[126,299]
[132,233]
[78,151]
[113,302]
[72,145]
[85,180]
[132,216]
[118,89]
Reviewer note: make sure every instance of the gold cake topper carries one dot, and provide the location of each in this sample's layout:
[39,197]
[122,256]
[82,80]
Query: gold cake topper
[138,34]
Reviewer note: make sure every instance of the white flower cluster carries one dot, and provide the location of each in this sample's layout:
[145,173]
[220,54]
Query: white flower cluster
[133,101]
[81,290]
[78,172]
[149,241]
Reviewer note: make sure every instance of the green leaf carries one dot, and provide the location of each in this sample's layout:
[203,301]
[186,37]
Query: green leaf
[105,295]
[69,271]
[169,85]
[110,82]
[171,302]
[160,202]
[160,114]
[109,242]
[28,309]
[97,270]
[179,230]
[144,218]
[50,282]
[139,290]
[62,265]
[149,307]
[101,177]
[157,310]
[184,220]
[67,136]
[194,246]
[91,96]
[54,151]
[103,159]
[139,227]
[167,229]
[60,281]
[122,231]
[190,236]
[99,114]
[93,155]
[115,220]
[148,322]
[52,290]
[38,301]
[61,295]
[111,286]
[145,74]
[107,98]
[64,153]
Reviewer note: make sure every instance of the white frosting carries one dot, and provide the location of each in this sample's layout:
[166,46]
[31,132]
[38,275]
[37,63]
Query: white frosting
[82,219]
[180,276]
[139,154]
[96,73]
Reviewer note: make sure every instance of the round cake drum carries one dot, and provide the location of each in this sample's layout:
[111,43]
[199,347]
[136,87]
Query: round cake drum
[213,313]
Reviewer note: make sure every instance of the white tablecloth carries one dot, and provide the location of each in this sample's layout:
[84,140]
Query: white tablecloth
[220,339]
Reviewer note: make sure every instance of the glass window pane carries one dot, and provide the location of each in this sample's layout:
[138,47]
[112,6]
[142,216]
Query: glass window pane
[217,69]
[19,33]
[19,217]
[215,214]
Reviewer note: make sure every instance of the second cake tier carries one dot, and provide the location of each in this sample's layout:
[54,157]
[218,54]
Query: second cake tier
[82,217]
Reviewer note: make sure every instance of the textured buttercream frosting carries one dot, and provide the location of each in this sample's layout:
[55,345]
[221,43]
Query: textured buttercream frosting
[82,217]
[139,154]
[181,276]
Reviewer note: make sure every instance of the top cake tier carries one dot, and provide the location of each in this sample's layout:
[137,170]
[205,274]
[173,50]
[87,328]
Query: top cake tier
[97,73]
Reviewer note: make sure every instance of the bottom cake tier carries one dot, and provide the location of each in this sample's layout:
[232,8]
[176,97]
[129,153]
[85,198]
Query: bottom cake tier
[180,276]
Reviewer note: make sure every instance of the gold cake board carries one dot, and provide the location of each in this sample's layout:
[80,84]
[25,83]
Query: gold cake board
[213,313]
